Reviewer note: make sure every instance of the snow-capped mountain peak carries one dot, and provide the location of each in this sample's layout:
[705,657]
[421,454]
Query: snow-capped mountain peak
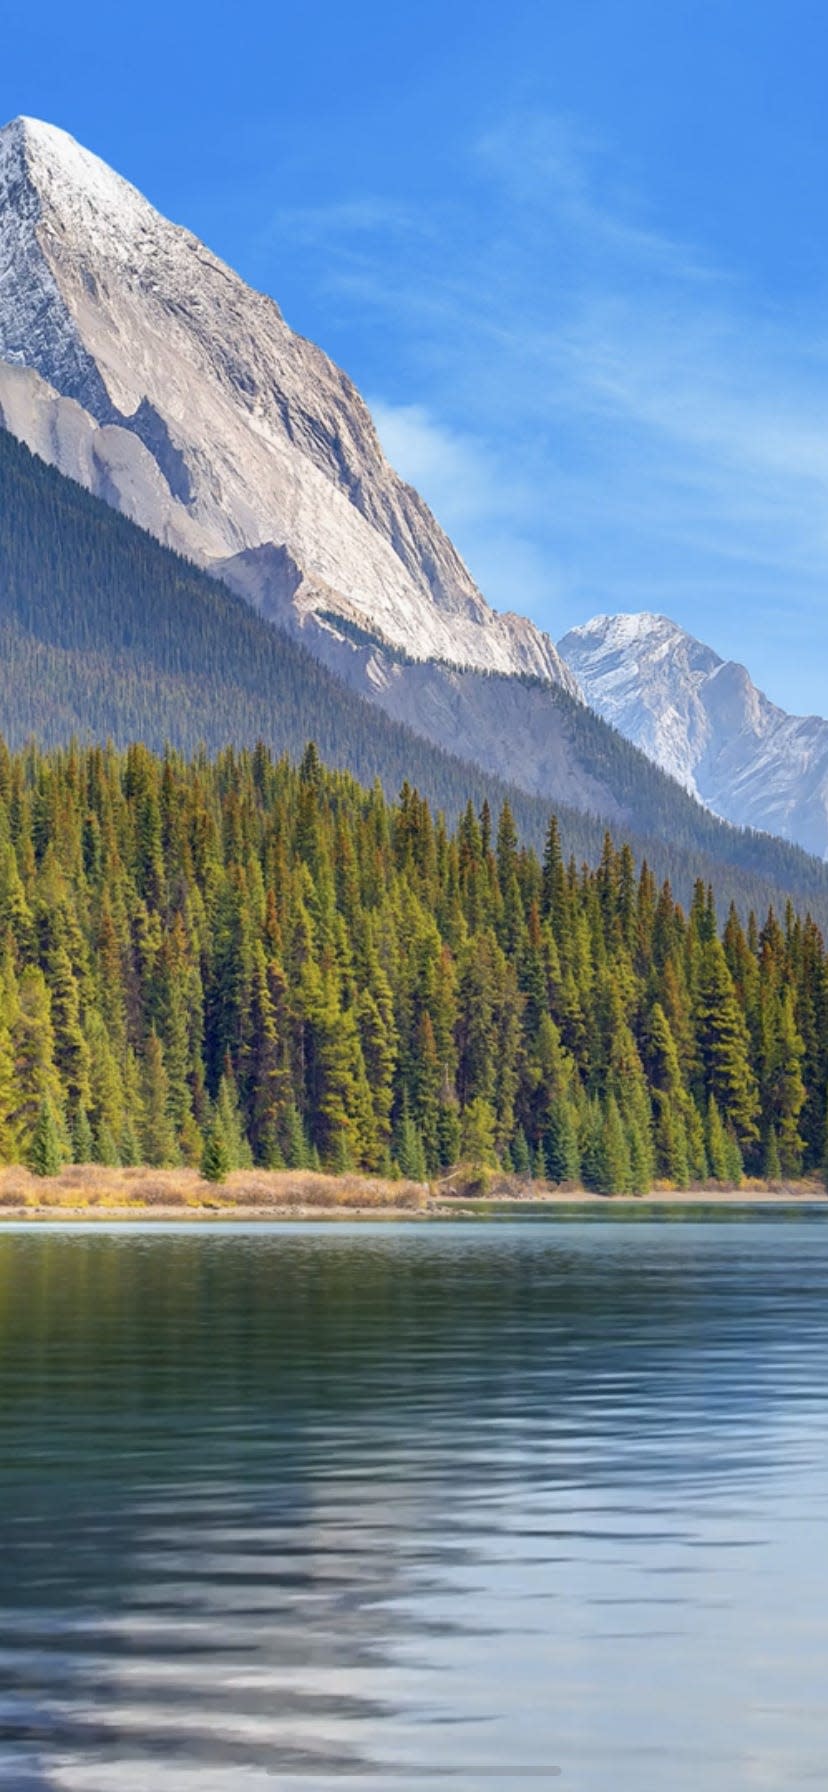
[705,722]
[143,366]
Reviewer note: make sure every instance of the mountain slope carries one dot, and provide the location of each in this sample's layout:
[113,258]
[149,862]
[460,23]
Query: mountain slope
[104,633]
[144,367]
[705,722]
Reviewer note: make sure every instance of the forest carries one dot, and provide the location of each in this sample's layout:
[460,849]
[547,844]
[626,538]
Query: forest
[243,960]
[106,634]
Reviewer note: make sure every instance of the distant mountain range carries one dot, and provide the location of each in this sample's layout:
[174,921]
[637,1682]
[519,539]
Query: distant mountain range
[147,371]
[104,634]
[703,720]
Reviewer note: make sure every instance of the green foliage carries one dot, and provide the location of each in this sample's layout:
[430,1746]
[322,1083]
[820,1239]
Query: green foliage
[478,1134]
[106,1150]
[563,1159]
[410,1150]
[107,635]
[46,1147]
[83,1144]
[719,1156]
[773,1162]
[615,1165]
[239,961]
[158,1140]
[519,1153]
[216,1159]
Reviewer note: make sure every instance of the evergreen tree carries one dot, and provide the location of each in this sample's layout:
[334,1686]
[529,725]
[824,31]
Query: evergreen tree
[158,1138]
[228,1112]
[615,1166]
[719,1156]
[348,982]
[296,1150]
[478,1134]
[519,1153]
[216,1158]
[129,1148]
[563,1158]
[724,1044]
[105,1150]
[773,1164]
[410,1150]
[83,1144]
[46,1149]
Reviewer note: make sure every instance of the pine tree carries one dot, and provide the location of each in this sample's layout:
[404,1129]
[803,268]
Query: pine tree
[83,1144]
[785,1090]
[449,1133]
[563,1158]
[615,1165]
[215,1158]
[129,1149]
[11,1132]
[724,1044]
[591,1143]
[640,1180]
[519,1153]
[696,1152]
[733,1157]
[673,1157]
[158,1138]
[45,1150]
[105,1150]
[228,1111]
[295,1148]
[478,1134]
[718,1155]
[773,1164]
[410,1149]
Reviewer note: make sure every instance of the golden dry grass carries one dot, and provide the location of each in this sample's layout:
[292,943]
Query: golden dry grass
[80,1186]
[97,1191]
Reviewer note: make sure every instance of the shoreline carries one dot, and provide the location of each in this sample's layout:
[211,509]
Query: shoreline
[99,1195]
[430,1211]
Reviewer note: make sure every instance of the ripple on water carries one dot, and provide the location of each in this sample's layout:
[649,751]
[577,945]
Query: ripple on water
[397,1505]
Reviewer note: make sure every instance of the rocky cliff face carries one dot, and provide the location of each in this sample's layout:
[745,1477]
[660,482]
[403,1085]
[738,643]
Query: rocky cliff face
[703,720]
[142,366]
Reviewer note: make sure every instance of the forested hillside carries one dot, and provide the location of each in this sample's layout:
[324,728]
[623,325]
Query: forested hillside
[242,960]
[105,634]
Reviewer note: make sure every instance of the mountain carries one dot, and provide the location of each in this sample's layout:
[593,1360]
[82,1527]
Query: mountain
[141,365]
[104,634]
[138,364]
[703,720]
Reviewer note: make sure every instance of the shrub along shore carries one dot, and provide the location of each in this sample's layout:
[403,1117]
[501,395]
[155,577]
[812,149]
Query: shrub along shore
[95,1192]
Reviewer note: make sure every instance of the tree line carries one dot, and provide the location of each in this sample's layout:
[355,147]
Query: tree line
[239,961]
[106,634]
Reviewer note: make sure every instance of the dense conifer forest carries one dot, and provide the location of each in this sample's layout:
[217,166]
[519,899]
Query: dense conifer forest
[241,960]
[106,634]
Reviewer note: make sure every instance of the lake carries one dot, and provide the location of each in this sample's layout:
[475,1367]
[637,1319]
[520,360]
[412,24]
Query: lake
[466,1504]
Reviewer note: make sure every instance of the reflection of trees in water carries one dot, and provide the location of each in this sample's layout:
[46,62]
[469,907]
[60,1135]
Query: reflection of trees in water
[235,1467]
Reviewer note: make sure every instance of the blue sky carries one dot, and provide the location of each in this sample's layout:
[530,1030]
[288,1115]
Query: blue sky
[575,255]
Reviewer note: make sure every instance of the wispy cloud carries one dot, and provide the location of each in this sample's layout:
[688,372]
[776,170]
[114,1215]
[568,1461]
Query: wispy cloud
[602,416]
[344,219]
[481,499]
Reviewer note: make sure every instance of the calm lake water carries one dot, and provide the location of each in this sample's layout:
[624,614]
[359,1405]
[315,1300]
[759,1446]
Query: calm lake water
[450,1504]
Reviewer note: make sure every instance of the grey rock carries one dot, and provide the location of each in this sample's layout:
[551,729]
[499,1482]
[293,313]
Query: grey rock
[703,720]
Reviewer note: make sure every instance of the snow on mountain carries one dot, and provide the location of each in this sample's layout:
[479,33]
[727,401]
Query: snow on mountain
[703,720]
[138,363]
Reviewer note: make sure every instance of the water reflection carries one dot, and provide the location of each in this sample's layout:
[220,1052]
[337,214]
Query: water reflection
[397,1505]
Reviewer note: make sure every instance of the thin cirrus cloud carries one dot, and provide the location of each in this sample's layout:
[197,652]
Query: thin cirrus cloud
[601,417]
